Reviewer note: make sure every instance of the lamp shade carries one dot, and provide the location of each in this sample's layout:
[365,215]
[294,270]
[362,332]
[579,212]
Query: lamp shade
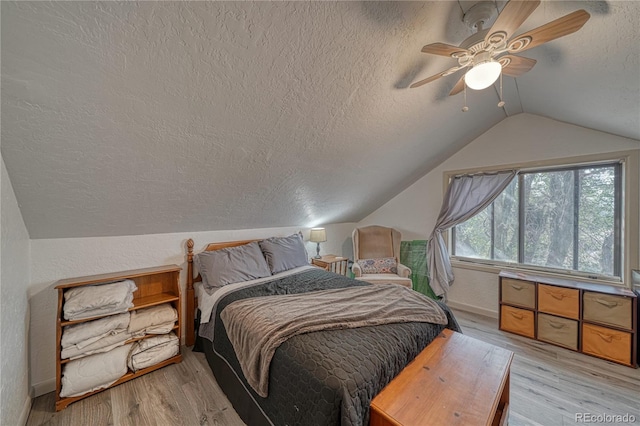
[483,75]
[318,235]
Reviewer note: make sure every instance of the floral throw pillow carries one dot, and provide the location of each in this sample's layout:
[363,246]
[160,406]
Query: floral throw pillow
[385,265]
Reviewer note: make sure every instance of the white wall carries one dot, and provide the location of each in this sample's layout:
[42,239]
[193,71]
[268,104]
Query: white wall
[54,259]
[14,309]
[523,138]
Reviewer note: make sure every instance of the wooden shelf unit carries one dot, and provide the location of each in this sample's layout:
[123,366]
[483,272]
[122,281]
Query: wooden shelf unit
[593,319]
[156,286]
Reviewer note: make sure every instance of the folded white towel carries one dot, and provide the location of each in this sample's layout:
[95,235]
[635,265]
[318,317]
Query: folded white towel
[104,344]
[94,372]
[160,328]
[148,318]
[86,333]
[153,350]
[93,300]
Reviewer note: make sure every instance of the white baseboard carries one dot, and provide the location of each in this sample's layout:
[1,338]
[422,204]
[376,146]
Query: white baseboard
[473,309]
[24,414]
[43,387]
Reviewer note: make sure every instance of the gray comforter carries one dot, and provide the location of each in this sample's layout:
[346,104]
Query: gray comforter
[258,325]
[326,377]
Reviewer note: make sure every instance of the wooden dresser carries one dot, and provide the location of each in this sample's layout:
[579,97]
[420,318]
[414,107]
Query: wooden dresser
[456,380]
[594,319]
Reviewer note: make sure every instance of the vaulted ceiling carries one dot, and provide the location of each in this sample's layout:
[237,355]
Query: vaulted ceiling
[134,118]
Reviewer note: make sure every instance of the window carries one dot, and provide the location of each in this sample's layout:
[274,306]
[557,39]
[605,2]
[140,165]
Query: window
[565,219]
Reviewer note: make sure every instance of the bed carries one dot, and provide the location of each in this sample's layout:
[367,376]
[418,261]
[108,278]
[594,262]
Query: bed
[325,377]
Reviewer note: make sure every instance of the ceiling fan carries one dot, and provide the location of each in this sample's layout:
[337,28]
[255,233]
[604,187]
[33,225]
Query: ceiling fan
[489,52]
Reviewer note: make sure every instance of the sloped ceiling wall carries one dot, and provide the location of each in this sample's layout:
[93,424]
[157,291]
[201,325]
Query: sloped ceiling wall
[154,117]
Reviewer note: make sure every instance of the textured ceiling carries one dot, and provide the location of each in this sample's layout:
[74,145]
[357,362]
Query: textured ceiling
[152,117]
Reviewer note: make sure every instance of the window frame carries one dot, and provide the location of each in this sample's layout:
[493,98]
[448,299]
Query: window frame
[629,240]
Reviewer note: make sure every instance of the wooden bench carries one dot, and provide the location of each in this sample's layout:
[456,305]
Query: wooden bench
[456,380]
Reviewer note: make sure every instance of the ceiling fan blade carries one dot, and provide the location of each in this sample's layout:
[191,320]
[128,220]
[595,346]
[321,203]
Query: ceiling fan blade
[566,25]
[510,19]
[515,66]
[443,49]
[459,87]
[435,77]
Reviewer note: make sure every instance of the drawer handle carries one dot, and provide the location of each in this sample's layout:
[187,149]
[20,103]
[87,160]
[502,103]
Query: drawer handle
[516,287]
[516,316]
[556,325]
[607,303]
[558,296]
[606,337]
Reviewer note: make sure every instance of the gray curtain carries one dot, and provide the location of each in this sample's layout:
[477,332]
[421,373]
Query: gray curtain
[466,196]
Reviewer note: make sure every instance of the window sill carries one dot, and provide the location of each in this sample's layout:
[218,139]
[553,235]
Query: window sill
[496,268]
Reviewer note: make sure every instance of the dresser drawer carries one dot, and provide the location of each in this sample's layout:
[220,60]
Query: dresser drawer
[560,331]
[519,321]
[606,343]
[559,301]
[607,309]
[517,292]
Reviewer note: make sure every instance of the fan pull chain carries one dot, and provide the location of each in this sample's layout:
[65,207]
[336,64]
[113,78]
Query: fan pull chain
[465,108]
[502,102]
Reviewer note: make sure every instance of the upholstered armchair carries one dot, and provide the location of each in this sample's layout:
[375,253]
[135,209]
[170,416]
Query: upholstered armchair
[376,256]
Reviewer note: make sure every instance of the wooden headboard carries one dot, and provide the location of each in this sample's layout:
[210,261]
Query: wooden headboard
[192,303]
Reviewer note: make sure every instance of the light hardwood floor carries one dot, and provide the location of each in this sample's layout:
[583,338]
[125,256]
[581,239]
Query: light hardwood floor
[549,385]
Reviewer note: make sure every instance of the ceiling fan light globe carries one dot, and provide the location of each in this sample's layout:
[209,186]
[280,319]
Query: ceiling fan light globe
[483,75]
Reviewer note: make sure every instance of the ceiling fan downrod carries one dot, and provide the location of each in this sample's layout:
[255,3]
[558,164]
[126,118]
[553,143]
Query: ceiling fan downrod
[479,15]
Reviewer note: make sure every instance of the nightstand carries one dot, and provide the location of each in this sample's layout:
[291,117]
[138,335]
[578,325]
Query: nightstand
[332,263]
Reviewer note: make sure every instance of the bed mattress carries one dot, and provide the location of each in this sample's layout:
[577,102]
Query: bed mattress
[320,378]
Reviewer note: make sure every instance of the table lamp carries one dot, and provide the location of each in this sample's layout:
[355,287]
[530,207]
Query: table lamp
[318,235]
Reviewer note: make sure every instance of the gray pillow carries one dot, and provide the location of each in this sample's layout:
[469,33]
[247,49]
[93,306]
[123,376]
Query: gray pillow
[284,253]
[231,265]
